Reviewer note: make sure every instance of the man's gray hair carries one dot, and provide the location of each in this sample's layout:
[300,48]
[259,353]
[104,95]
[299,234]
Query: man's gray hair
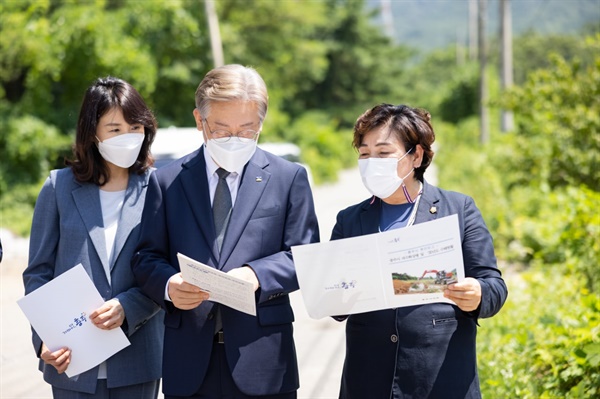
[229,83]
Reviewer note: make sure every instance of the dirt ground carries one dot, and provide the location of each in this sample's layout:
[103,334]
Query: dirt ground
[401,287]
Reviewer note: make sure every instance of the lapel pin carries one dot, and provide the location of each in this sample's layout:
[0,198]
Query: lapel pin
[259,178]
[433,210]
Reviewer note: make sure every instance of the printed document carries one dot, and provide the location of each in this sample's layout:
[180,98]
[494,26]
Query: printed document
[402,267]
[59,312]
[231,291]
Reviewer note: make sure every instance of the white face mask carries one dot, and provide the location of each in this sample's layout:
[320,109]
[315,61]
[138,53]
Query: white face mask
[233,154]
[380,175]
[121,150]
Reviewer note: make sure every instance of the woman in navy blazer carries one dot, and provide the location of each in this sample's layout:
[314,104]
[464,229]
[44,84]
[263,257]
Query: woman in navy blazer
[90,213]
[424,351]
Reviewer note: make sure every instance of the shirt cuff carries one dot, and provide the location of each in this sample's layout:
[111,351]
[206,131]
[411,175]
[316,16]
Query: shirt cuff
[167,297]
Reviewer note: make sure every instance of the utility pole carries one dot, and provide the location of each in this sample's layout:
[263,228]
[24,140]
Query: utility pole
[215,35]
[388,19]
[506,64]
[484,133]
[472,35]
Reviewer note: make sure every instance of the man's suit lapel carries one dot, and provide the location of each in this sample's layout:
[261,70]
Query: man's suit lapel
[195,185]
[132,211]
[87,201]
[253,183]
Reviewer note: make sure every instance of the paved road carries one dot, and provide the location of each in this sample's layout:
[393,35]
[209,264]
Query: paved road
[319,343]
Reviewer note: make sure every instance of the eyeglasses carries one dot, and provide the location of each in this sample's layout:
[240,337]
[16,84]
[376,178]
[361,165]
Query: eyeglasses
[223,136]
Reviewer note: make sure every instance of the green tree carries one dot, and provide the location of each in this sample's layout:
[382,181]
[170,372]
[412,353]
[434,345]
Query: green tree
[538,190]
[324,63]
[531,52]
[363,68]
[557,143]
[174,34]
[52,52]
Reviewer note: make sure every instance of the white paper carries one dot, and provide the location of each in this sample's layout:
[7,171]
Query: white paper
[59,312]
[223,288]
[402,267]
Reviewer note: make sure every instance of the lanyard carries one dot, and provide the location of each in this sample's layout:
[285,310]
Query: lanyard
[413,213]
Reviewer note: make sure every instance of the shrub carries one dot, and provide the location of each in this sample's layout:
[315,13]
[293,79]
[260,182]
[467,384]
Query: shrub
[545,343]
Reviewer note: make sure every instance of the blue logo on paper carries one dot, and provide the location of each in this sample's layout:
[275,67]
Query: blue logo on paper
[342,285]
[77,322]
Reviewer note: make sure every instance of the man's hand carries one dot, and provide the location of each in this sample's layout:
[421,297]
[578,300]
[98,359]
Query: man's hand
[185,296]
[108,316]
[60,359]
[247,274]
[466,294]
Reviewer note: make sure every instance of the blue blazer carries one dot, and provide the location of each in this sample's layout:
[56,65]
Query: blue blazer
[273,211]
[425,351]
[67,229]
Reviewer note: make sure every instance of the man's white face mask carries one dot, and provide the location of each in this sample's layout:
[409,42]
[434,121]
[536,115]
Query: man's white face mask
[233,154]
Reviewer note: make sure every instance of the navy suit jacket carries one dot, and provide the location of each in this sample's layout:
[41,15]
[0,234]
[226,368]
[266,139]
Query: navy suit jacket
[273,211]
[67,229]
[425,351]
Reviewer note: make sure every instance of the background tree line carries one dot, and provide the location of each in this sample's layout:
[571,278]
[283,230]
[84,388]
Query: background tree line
[325,62]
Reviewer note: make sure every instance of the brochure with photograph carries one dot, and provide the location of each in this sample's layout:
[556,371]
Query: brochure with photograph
[403,267]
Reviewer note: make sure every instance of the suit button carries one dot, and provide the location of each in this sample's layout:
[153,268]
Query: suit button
[394,338]
[210,316]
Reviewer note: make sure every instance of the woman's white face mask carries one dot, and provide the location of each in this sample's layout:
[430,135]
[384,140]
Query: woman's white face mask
[233,154]
[121,150]
[380,175]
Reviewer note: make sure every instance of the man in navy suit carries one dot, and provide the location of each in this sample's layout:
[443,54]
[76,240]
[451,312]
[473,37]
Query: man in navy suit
[239,209]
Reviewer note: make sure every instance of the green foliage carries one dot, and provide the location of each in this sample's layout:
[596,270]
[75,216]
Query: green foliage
[462,166]
[545,342]
[29,148]
[558,227]
[326,148]
[425,84]
[172,35]
[50,51]
[16,207]
[531,52]
[579,240]
[405,277]
[528,181]
[559,119]
[363,67]
[290,56]
[538,191]
[463,98]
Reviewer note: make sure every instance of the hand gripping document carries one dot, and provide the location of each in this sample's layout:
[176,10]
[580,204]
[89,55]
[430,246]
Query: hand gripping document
[223,288]
[59,312]
[396,268]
